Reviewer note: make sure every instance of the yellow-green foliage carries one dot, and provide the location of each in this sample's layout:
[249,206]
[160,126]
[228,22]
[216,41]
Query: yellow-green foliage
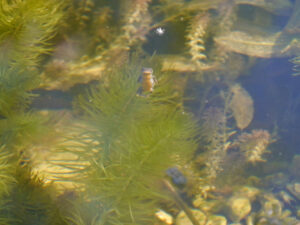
[131,141]
[29,202]
[26,26]
[6,172]
[14,87]
[21,129]
[25,29]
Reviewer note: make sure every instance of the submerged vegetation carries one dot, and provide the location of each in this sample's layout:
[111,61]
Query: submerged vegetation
[179,142]
[25,26]
[132,141]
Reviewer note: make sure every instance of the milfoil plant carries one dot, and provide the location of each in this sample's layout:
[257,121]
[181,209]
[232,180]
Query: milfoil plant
[127,141]
[26,28]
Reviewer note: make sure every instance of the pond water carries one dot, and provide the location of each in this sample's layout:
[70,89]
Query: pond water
[150,112]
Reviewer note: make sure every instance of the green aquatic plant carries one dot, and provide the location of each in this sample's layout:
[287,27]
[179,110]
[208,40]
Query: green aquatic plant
[216,135]
[130,139]
[6,172]
[126,139]
[29,201]
[196,39]
[14,91]
[99,55]
[26,28]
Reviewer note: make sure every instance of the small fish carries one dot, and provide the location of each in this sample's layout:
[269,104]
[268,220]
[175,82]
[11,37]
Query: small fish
[148,80]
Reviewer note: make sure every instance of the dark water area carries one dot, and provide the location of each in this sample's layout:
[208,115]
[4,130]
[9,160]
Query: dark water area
[53,100]
[276,98]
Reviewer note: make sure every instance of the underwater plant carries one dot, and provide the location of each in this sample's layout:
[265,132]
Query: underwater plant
[216,134]
[124,135]
[26,29]
[195,37]
[253,145]
[227,112]
[7,171]
[29,201]
[129,141]
[133,26]
[215,33]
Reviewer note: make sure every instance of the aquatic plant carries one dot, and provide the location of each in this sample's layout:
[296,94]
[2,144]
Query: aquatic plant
[126,138]
[128,144]
[29,201]
[26,28]
[253,145]
[216,134]
[196,38]
[7,171]
[133,26]
[99,34]
[227,112]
